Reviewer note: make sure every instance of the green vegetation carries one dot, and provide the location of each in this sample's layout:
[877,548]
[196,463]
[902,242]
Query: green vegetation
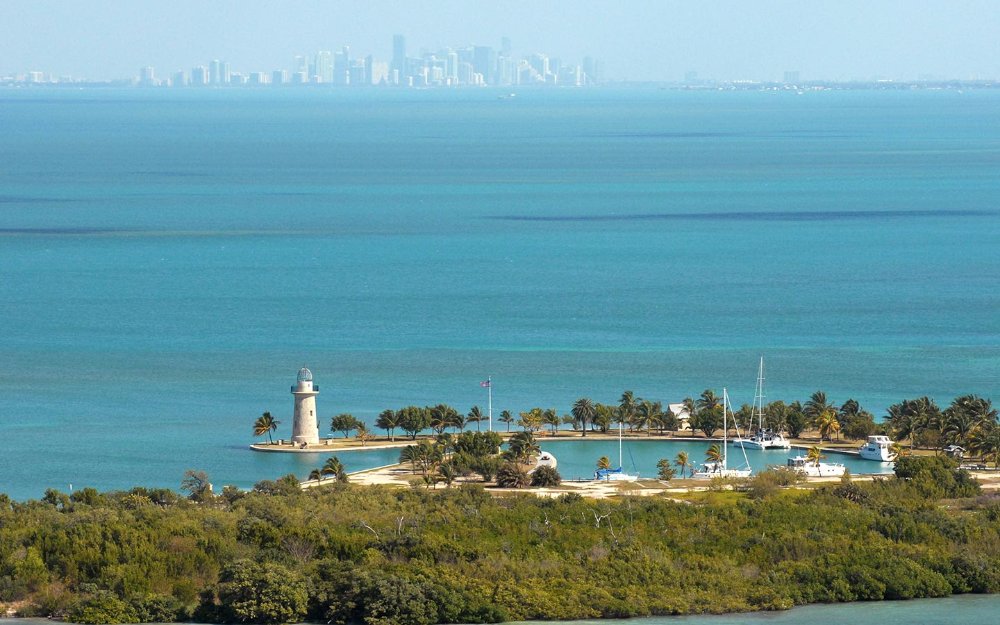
[970,422]
[344,423]
[350,554]
[265,424]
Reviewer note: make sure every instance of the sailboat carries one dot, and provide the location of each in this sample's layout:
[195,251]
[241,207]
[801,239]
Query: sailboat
[721,469]
[616,475]
[762,438]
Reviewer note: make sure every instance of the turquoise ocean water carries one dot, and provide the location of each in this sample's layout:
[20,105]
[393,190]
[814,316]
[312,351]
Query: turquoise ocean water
[169,259]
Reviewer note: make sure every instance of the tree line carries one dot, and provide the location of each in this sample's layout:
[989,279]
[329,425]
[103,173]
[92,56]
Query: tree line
[374,555]
[969,421]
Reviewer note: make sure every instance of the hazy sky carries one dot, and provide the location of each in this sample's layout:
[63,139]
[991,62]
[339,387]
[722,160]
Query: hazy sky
[636,39]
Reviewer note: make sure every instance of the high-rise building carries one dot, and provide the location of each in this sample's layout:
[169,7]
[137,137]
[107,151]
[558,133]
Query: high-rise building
[279,77]
[324,67]
[379,72]
[147,76]
[791,78]
[368,63]
[540,63]
[399,57]
[301,65]
[215,72]
[484,60]
[342,67]
[451,66]
[179,79]
[199,76]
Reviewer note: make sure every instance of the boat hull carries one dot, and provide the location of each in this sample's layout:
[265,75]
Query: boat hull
[878,448]
[762,445]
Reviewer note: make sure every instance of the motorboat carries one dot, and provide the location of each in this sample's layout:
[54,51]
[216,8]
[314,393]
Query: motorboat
[878,448]
[813,468]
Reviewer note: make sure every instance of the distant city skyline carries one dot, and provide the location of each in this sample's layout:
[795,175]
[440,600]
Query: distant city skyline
[637,40]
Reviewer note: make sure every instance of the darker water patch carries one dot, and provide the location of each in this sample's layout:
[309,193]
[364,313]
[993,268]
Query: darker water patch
[27,199]
[873,215]
[64,231]
[171,174]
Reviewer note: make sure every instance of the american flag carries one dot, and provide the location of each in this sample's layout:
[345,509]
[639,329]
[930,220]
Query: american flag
[485,384]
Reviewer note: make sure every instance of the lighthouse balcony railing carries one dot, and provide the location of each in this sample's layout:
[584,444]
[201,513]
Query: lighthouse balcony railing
[315,388]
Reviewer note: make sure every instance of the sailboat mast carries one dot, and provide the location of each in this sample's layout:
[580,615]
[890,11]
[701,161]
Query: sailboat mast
[725,427]
[620,457]
[759,396]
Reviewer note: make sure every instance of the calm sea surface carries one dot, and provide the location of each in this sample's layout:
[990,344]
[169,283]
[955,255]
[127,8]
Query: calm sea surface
[169,259]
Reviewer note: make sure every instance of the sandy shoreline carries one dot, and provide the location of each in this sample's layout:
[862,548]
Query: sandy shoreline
[402,476]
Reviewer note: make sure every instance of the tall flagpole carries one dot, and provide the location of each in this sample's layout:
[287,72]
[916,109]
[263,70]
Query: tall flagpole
[489,389]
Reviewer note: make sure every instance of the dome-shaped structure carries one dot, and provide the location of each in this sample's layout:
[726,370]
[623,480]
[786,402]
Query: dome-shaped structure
[305,375]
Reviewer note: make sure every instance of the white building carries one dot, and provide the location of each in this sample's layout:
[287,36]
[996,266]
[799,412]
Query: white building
[305,430]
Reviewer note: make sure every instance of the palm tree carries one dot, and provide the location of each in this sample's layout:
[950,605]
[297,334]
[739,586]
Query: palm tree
[475,416]
[334,467]
[776,416]
[815,454]
[827,424]
[522,446]
[604,417]
[817,405]
[714,454]
[603,462]
[959,426]
[506,417]
[682,461]
[551,418]
[626,408]
[265,424]
[444,416]
[512,475]
[409,454]
[389,420]
[447,472]
[584,412]
[708,400]
[986,443]
[646,414]
[744,418]
[317,475]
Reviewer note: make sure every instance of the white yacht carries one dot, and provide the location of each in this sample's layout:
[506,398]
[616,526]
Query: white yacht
[811,468]
[878,448]
[762,438]
[721,469]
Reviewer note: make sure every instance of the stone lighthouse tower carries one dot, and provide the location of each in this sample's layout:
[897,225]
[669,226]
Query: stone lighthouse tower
[304,428]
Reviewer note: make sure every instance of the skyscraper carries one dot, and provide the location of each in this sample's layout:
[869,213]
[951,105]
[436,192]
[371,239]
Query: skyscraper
[484,60]
[324,67]
[399,57]
[342,66]
[199,76]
